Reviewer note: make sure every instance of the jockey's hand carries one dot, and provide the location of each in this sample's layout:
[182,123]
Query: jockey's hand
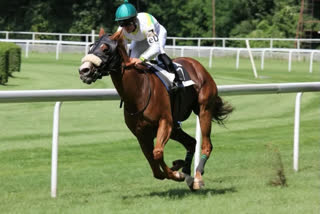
[136,62]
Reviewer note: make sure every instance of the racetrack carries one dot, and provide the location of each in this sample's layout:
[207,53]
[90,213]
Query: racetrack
[101,167]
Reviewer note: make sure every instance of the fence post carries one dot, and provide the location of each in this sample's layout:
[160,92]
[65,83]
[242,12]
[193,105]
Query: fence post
[290,61]
[33,37]
[210,57]
[199,44]
[54,156]
[251,59]
[174,46]
[296,132]
[92,36]
[311,62]
[86,48]
[27,49]
[271,43]
[238,59]
[182,52]
[262,59]
[57,50]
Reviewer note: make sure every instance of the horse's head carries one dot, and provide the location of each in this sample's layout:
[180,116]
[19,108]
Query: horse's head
[102,59]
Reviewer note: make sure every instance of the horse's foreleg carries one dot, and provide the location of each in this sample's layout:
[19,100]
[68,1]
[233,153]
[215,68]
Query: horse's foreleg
[206,148]
[147,149]
[163,135]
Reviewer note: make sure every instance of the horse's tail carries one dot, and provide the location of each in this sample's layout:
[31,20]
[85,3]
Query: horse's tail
[220,110]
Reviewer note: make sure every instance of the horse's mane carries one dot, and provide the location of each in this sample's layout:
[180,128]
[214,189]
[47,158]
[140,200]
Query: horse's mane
[118,36]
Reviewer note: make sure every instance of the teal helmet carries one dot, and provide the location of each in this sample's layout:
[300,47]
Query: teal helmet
[125,11]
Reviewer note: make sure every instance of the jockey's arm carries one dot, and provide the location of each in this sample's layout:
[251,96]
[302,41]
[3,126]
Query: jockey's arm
[154,46]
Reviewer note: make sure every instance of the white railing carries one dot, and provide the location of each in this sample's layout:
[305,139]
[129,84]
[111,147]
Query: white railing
[175,40]
[61,36]
[209,51]
[57,45]
[110,94]
[262,51]
[225,40]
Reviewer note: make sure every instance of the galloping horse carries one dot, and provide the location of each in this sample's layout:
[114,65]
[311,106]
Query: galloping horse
[148,108]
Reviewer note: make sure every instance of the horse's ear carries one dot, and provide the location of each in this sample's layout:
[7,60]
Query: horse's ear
[101,33]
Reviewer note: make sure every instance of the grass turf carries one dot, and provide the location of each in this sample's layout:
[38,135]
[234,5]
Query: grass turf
[101,167]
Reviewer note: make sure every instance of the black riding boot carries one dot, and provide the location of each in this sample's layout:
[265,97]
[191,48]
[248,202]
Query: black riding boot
[169,65]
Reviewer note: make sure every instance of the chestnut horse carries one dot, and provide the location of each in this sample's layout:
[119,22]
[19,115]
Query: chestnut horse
[148,108]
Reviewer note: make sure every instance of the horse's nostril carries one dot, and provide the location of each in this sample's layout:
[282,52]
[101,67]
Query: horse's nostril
[84,70]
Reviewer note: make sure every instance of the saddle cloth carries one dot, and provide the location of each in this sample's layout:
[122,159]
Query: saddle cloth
[167,78]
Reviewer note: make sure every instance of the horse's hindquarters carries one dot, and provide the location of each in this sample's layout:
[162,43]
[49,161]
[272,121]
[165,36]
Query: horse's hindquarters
[183,102]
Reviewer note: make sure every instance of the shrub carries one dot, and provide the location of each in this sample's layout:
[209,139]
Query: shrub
[10,60]
[4,63]
[14,58]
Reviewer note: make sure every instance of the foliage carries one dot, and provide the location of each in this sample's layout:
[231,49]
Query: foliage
[10,60]
[4,53]
[193,18]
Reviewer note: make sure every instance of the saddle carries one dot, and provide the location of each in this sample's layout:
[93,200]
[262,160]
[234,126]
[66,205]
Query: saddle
[183,98]
[167,78]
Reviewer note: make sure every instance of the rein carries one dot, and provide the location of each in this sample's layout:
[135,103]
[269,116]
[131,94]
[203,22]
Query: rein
[149,96]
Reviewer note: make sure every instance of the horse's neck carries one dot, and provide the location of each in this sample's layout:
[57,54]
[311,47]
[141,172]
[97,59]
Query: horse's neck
[131,86]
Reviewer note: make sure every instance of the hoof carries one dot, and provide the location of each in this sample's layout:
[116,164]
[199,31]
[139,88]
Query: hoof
[177,164]
[190,180]
[197,184]
[178,176]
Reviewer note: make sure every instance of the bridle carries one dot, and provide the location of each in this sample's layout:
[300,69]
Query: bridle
[110,61]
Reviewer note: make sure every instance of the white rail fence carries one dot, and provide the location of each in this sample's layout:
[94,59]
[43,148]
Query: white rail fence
[60,96]
[36,36]
[313,55]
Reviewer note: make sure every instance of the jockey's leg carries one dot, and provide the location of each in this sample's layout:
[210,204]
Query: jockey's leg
[167,61]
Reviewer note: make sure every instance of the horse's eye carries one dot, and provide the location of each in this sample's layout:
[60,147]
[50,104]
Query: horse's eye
[104,48]
[91,46]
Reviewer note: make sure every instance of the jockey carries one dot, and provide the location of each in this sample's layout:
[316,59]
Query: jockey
[146,34]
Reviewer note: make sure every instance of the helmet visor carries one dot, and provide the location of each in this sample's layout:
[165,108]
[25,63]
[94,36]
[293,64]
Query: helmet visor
[125,23]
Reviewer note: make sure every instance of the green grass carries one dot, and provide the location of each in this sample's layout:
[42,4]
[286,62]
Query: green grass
[101,167]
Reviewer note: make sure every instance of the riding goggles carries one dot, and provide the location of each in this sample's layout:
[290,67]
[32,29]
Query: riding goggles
[125,23]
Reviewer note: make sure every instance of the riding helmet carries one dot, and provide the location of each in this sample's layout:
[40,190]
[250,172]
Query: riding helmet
[125,11]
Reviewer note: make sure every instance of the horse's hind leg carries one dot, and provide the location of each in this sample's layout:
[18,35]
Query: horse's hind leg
[189,143]
[205,117]
[147,149]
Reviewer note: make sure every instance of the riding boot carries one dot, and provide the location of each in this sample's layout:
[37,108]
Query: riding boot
[165,59]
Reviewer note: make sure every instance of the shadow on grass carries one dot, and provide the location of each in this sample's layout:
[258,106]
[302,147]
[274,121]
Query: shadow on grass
[182,193]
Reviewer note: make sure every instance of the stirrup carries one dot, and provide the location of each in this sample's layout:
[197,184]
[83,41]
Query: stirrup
[176,85]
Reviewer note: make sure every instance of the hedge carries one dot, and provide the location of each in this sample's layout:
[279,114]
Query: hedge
[4,64]
[10,60]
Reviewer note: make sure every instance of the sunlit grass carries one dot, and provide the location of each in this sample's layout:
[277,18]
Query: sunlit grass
[102,169]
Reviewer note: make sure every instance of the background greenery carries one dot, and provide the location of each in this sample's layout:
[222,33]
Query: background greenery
[192,18]
[101,167]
